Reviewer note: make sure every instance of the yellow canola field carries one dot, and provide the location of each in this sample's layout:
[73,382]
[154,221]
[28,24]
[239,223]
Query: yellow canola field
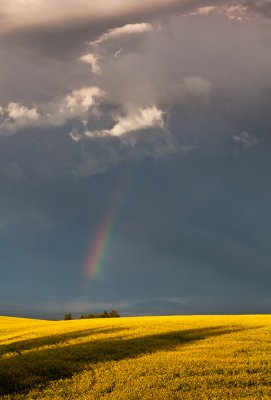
[159,358]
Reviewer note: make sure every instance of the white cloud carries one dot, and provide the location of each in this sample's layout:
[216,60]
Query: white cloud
[236,12]
[19,112]
[141,119]
[15,116]
[93,61]
[201,11]
[77,104]
[135,120]
[127,29]
[82,99]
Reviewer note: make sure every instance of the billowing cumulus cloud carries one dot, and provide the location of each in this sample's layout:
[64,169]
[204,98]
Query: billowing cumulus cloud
[138,78]
[82,99]
[139,120]
[202,11]
[15,116]
[135,120]
[19,112]
[93,61]
[236,12]
[138,73]
[76,104]
[129,29]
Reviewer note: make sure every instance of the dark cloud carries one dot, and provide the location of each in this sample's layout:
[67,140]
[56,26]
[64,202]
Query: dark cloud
[221,84]
[63,36]
[191,228]
[262,7]
[184,108]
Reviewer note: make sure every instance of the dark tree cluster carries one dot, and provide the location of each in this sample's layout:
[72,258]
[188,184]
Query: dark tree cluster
[105,314]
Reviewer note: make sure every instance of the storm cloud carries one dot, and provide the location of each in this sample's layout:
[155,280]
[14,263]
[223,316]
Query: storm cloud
[176,92]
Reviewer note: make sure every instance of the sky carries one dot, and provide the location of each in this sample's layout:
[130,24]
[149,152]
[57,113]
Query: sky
[135,143]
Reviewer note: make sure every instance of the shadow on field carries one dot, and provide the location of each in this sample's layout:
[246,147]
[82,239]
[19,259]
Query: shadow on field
[22,372]
[29,344]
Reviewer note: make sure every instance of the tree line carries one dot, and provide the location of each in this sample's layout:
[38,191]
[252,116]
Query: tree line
[105,314]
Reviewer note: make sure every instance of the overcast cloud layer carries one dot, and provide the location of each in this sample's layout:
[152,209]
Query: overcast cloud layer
[176,92]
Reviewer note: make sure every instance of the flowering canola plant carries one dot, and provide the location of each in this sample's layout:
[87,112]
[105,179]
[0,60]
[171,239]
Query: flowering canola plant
[130,358]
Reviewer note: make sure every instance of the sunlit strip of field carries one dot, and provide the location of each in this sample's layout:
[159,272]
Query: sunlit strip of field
[192,357]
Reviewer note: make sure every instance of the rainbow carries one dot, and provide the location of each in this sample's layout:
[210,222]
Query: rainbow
[99,246]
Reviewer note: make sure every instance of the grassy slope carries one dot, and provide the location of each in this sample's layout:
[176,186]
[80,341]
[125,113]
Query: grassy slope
[199,357]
